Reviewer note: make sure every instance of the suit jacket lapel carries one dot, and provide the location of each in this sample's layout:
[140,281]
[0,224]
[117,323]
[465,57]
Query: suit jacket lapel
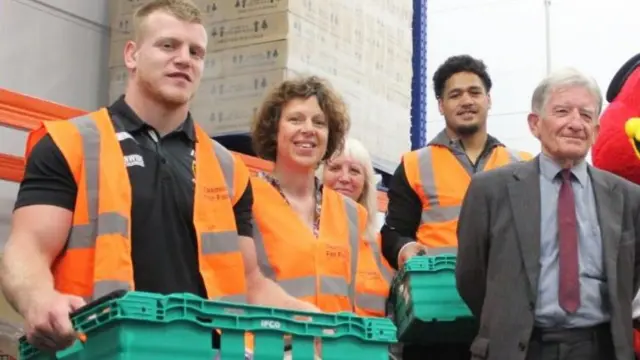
[524,194]
[610,207]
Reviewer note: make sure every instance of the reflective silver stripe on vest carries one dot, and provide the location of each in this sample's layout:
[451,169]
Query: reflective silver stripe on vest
[354,241]
[85,236]
[387,274]
[514,155]
[104,287]
[305,286]
[81,236]
[436,213]
[225,158]
[371,301]
[234,298]
[217,243]
[222,241]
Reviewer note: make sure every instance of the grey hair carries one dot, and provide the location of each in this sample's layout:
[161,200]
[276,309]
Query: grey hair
[369,197]
[563,78]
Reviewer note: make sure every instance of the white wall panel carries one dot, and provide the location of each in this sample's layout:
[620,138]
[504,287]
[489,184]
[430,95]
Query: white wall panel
[509,35]
[594,36]
[12,141]
[56,50]
[52,49]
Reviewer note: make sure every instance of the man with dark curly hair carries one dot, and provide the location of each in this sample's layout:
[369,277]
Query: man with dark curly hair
[426,190]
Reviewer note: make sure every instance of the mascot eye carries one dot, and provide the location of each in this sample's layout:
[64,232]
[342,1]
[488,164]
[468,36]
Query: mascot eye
[631,127]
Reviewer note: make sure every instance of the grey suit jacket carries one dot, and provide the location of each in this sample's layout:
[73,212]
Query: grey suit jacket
[498,261]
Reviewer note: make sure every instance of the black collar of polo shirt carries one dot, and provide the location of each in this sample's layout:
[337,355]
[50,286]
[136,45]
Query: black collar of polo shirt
[132,123]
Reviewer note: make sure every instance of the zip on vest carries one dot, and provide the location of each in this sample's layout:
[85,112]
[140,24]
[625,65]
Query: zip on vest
[110,223]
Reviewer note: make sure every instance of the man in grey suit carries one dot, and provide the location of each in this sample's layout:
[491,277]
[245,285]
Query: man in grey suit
[547,248]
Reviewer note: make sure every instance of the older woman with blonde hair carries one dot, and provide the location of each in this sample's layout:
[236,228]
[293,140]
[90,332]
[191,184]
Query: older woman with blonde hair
[350,172]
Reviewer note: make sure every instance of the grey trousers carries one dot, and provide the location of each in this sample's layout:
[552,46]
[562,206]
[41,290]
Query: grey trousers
[573,344]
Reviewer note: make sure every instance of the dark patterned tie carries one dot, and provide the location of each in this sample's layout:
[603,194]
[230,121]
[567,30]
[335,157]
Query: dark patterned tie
[569,289]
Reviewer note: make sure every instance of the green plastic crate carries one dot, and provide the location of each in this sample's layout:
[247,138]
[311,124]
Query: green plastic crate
[428,308]
[141,326]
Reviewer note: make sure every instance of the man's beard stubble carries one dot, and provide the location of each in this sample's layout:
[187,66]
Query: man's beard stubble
[467,130]
[169,102]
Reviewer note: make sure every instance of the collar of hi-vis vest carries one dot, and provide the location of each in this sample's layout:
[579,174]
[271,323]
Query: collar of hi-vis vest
[131,122]
[442,139]
[318,192]
[457,149]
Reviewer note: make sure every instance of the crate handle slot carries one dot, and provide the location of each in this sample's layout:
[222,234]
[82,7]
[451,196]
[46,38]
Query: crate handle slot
[204,319]
[99,301]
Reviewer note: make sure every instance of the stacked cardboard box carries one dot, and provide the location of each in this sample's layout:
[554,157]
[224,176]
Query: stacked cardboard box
[363,47]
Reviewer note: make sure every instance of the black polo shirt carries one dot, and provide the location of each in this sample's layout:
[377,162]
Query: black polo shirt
[164,245]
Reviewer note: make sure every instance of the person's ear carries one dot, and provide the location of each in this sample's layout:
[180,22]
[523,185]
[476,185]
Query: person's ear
[130,55]
[533,120]
[440,106]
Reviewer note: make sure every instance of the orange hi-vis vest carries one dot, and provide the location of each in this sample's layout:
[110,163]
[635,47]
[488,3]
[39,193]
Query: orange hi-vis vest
[97,259]
[323,271]
[373,280]
[441,181]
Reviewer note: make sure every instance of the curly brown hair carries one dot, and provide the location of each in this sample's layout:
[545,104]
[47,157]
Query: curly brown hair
[264,130]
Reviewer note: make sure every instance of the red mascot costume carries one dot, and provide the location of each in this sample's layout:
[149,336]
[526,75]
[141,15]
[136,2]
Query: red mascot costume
[617,147]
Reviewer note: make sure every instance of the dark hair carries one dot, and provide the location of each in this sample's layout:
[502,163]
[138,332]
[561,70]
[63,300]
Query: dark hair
[264,131]
[457,64]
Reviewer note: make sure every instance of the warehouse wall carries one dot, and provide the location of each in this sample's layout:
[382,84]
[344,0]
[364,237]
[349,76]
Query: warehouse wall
[509,35]
[56,50]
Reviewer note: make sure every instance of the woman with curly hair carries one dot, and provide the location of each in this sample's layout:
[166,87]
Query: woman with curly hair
[307,237]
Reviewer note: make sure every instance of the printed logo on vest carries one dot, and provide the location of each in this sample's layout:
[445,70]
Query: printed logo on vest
[123,136]
[336,252]
[215,193]
[133,160]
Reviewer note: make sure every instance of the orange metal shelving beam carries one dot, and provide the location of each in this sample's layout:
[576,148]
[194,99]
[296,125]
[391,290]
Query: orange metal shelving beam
[25,113]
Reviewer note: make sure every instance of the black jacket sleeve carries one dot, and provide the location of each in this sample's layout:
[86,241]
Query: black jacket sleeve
[47,179]
[403,216]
